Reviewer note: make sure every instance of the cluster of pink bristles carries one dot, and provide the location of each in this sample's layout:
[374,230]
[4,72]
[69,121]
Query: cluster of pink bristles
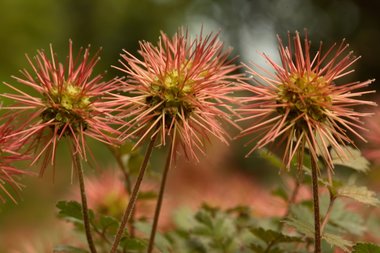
[183,87]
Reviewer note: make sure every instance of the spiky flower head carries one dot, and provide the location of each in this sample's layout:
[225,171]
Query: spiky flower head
[302,104]
[70,102]
[9,154]
[180,86]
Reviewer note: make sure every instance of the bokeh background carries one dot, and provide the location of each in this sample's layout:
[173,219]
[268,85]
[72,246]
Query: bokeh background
[249,26]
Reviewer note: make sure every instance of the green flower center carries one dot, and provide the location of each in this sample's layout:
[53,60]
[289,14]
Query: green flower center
[171,92]
[66,107]
[306,94]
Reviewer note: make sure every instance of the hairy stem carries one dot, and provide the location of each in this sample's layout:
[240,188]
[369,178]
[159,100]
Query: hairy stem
[329,210]
[129,210]
[161,195]
[86,220]
[317,222]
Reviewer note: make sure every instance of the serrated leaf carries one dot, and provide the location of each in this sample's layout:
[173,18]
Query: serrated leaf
[344,219]
[271,236]
[205,218]
[373,224]
[196,245]
[184,218]
[259,249]
[133,243]
[70,209]
[338,241]
[68,249]
[355,159]
[302,212]
[320,179]
[301,226]
[108,222]
[308,230]
[366,248]
[359,193]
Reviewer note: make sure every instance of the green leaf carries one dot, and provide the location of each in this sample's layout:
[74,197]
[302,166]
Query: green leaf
[68,249]
[301,226]
[108,222]
[271,236]
[205,218]
[321,180]
[70,209]
[355,159]
[270,158]
[133,243]
[373,223]
[366,248]
[302,212]
[344,219]
[184,218]
[359,193]
[259,249]
[338,241]
[308,230]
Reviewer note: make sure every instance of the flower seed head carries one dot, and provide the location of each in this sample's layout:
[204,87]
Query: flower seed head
[302,105]
[306,94]
[180,87]
[72,102]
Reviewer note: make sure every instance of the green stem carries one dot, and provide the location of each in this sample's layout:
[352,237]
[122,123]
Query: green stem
[317,222]
[133,197]
[161,195]
[86,220]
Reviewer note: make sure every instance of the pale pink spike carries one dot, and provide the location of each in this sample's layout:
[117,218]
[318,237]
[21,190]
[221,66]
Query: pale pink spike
[203,75]
[87,111]
[299,101]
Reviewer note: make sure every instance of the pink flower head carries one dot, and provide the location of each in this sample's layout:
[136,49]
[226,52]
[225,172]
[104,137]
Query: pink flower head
[107,194]
[182,86]
[9,153]
[71,102]
[301,104]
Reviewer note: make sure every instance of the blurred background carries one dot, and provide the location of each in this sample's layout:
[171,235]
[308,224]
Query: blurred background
[249,26]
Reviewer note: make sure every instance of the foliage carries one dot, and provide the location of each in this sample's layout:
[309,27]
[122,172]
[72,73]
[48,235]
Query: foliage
[366,248]
[237,230]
